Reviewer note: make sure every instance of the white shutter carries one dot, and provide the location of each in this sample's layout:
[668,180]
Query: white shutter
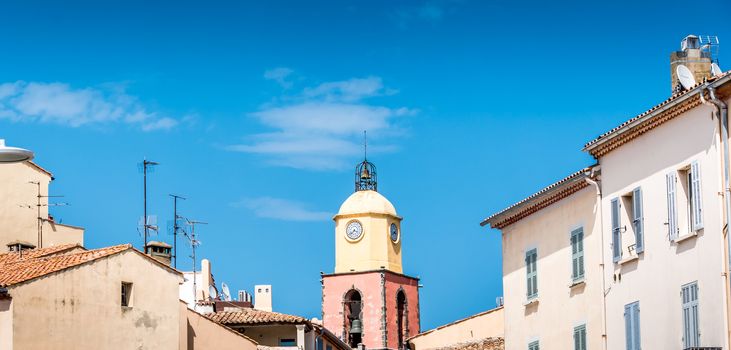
[695,189]
[671,179]
[616,234]
[632,325]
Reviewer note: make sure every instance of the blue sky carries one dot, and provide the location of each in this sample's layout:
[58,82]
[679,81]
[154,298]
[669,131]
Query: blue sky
[255,112]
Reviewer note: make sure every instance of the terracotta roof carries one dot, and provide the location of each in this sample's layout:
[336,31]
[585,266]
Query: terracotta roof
[37,253]
[26,269]
[539,200]
[457,321]
[255,317]
[482,344]
[659,114]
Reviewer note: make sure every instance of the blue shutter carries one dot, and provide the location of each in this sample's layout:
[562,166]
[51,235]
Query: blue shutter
[695,189]
[671,180]
[691,334]
[632,325]
[616,238]
[531,273]
[637,220]
[580,337]
[533,345]
[577,254]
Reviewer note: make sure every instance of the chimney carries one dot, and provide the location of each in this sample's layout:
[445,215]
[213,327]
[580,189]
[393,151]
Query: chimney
[263,297]
[695,53]
[159,251]
[206,279]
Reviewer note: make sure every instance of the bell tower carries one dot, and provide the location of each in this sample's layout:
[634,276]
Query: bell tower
[368,300]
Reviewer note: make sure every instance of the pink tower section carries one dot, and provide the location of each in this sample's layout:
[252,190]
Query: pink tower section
[389,306]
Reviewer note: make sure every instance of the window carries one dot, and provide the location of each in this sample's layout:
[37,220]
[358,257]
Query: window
[126,294]
[577,254]
[328,347]
[684,191]
[632,325]
[616,231]
[691,334]
[287,342]
[531,258]
[580,337]
[318,343]
[633,213]
[533,345]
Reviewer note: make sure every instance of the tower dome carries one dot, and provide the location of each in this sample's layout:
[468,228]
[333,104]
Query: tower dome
[367,202]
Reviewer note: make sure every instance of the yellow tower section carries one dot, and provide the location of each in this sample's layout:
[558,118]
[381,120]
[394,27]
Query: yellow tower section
[367,234]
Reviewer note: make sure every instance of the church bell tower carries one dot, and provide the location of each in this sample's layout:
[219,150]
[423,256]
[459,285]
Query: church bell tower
[368,300]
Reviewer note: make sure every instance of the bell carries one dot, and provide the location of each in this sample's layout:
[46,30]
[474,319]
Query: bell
[365,174]
[356,327]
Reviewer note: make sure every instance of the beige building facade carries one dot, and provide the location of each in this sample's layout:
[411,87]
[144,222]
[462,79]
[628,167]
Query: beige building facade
[552,266]
[664,245]
[20,185]
[653,224]
[484,331]
[67,297]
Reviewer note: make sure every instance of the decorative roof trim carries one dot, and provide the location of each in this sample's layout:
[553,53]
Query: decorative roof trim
[369,271]
[539,200]
[652,118]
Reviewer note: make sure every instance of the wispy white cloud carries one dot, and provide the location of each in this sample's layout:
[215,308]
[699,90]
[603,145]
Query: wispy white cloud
[59,103]
[282,209]
[280,75]
[321,127]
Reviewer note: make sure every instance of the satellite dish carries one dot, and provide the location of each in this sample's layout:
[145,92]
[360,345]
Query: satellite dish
[13,154]
[226,292]
[212,292]
[715,69]
[685,76]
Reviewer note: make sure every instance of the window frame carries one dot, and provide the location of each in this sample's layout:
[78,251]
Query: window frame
[580,337]
[690,314]
[578,263]
[126,292]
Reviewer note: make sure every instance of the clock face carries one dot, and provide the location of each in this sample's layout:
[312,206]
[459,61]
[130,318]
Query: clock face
[354,230]
[394,233]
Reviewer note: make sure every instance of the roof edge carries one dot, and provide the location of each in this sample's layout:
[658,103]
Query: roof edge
[456,322]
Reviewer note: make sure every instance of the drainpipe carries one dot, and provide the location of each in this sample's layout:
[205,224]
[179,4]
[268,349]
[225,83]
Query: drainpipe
[590,180]
[722,112]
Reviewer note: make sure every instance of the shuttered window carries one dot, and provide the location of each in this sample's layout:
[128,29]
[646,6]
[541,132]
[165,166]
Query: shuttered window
[533,345]
[691,333]
[577,254]
[531,258]
[695,196]
[632,325]
[580,337]
[671,180]
[616,234]
[637,220]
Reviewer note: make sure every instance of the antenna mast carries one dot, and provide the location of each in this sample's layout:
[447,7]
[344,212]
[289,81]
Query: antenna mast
[38,205]
[194,242]
[175,228]
[145,164]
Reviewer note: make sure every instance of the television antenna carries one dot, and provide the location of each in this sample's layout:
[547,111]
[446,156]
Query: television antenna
[194,242]
[226,292]
[176,227]
[146,166]
[685,76]
[40,220]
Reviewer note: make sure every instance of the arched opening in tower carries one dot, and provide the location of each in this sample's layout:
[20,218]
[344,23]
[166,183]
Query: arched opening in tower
[353,318]
[401,322]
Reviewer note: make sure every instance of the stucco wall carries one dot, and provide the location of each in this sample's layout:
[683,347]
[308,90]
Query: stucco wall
[394,284]
[655,279]
[18,198]
[200,333]
[484,325]
[269,335]
[560,307]
[80,307]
